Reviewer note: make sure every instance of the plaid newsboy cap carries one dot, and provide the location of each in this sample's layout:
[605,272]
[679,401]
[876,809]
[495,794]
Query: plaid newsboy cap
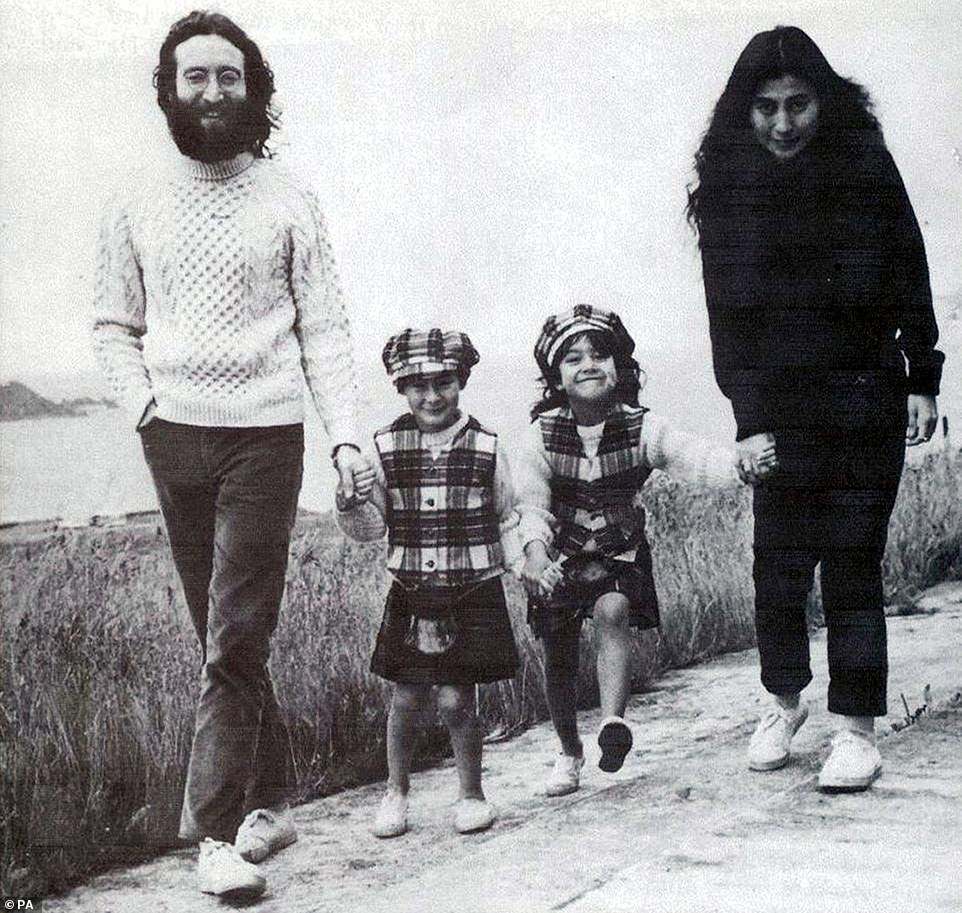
[431,351]
[580,319]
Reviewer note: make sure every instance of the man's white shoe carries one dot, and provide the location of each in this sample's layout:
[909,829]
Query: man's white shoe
[263,832]
[392,815]
[565,776]
[853,765]
[473,815]
[769,747]
[221,871]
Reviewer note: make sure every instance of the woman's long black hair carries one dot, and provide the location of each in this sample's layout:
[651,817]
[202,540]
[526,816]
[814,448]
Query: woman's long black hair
[846,124]
[629,373]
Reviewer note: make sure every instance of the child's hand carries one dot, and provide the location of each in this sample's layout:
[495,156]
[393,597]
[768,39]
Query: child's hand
[363,481]
[550,578]
[536,562]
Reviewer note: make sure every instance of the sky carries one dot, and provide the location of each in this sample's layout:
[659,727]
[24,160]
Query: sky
[481,164]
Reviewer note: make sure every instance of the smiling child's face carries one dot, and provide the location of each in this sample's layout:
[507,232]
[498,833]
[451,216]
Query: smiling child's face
[433,400]
[586,375]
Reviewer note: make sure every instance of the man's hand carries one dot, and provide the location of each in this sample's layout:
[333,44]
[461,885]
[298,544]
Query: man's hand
[923,417]
[536,562]
[355,478]
[755,458]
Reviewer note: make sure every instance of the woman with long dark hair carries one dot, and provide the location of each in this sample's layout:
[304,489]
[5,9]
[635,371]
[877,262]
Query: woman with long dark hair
[823,338]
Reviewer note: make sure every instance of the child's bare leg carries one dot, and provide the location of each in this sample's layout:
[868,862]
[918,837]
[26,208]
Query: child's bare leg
[561,685]
[613,642]
[408,708]
[456,705]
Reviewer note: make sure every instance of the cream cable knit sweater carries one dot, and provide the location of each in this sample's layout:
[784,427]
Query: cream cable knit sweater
[217,294]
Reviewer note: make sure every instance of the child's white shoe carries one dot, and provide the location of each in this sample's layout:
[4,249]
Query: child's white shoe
[770,743]
[614,740]
[473,815]
[221,871]
[392,815]
[565,776]
[853,765]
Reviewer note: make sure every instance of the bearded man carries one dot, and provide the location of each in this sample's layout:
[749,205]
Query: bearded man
[216,296]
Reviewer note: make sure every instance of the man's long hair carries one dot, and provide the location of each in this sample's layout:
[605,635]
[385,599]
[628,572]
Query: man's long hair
[846,124]
[262,117]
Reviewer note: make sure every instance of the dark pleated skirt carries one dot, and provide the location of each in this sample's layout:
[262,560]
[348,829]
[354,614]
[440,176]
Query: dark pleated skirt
[482,648]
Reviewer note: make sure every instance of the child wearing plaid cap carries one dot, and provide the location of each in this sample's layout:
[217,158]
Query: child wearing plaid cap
[442,491]
[588,451]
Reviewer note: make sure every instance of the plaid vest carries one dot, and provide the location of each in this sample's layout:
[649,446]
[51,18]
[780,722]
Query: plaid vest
[442,528]
[578,504]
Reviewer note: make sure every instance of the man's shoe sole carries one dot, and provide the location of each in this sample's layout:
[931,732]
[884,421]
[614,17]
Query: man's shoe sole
[249,855]
[615,742]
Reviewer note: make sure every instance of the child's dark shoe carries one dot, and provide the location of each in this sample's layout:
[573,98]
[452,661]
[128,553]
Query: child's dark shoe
[614,740]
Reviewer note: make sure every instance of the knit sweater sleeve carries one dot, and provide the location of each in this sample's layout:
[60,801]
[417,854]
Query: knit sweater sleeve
[685,456]
[118,313]
[366,522]
[534,489]
[322,326]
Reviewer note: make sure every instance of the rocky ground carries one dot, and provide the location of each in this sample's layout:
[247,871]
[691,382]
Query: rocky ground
[683,827]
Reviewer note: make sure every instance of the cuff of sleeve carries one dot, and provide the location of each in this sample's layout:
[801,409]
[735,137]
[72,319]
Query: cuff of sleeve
[925,379]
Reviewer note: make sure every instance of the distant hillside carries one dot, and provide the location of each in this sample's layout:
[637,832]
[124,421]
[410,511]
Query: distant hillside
[18,401]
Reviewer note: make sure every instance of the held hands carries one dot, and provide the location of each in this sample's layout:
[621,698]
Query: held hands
[923,417]
[355,478]
[755,458]
[540,575]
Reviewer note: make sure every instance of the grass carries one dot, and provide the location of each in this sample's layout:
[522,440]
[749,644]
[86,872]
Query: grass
[99,667]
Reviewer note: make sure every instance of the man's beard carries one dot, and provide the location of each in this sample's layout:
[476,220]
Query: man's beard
[218,141]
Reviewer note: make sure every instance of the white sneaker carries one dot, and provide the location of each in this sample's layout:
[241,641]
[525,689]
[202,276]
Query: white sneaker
[473,815]
[565,775]
[264,832]
[853,765]
[221,871]
[769,747]
[392,815]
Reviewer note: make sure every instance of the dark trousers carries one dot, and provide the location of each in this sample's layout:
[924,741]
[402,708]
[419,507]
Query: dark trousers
[229,499]
[829,503]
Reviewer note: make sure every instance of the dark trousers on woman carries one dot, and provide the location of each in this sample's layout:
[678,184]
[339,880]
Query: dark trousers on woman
[830,503]
[229,499]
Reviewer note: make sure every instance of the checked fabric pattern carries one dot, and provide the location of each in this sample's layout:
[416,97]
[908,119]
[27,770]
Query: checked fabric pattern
[603,509]
[442,525]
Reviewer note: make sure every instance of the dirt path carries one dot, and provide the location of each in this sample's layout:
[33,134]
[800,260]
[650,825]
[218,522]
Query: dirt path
[683,827]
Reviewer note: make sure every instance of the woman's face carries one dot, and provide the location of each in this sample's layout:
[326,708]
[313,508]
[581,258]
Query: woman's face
[784,116]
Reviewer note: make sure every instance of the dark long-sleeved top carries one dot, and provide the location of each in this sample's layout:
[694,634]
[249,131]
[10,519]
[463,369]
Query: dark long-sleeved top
[815,278]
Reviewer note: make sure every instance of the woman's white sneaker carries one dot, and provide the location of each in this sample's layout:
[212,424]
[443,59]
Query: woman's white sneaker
[772,739]
[853,764]
[565,776]
[221,871]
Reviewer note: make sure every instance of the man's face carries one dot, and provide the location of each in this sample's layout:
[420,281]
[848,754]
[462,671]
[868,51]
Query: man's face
[208,115]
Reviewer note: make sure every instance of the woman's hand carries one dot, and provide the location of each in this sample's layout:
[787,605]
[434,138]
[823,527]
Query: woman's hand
[923,417]
[755,458]
[536,562]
